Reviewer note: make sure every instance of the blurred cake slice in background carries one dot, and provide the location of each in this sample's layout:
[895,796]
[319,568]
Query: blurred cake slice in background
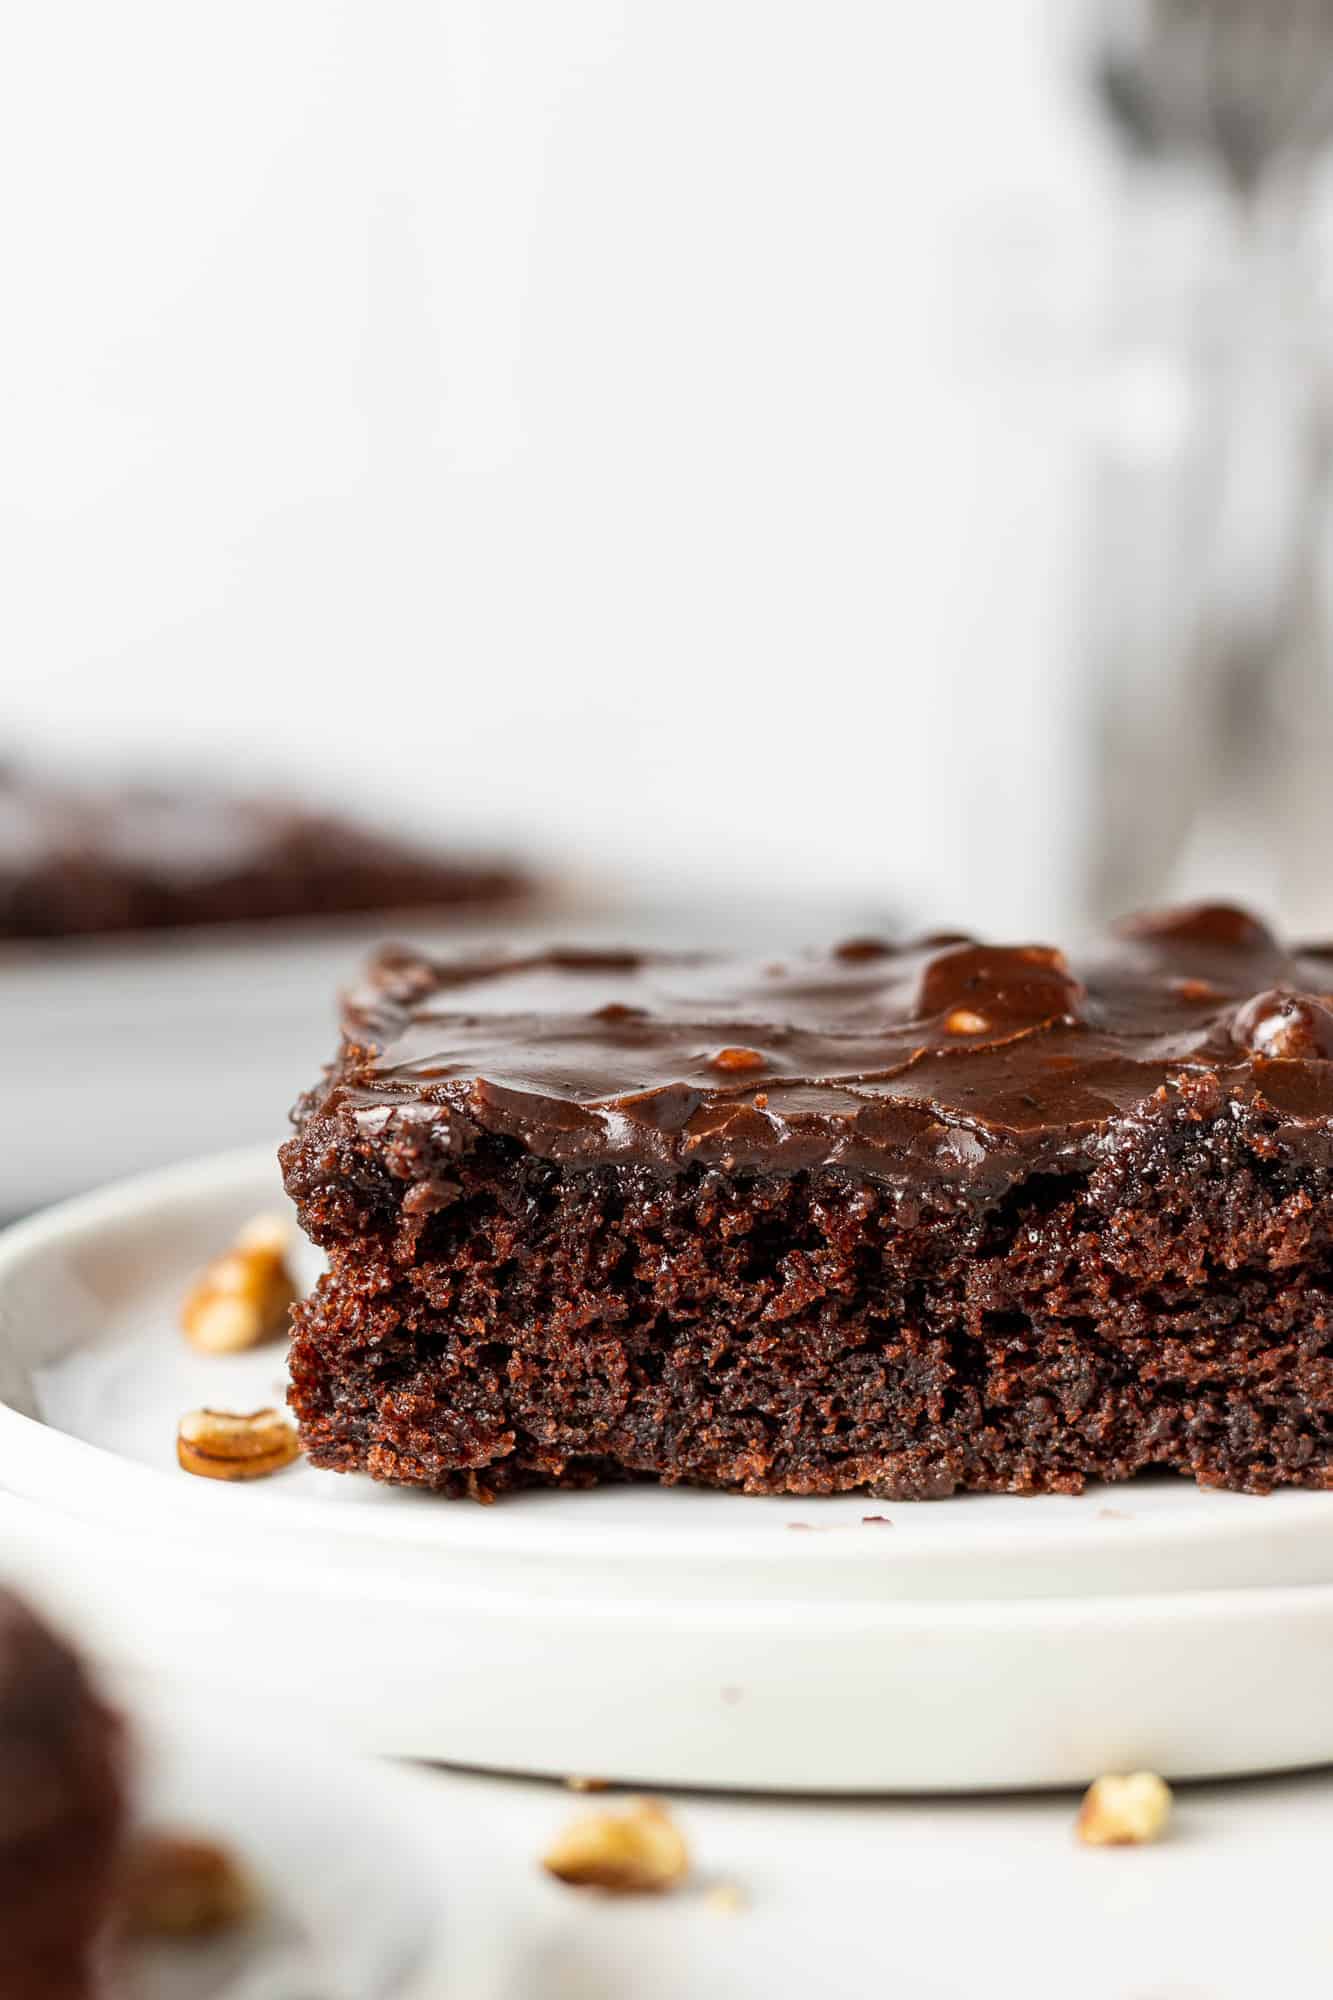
[76,861]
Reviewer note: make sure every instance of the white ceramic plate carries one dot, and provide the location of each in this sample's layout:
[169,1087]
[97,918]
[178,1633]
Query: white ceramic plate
[94,1375]
[667,1636]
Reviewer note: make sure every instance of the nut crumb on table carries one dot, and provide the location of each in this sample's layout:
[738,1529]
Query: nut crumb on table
[178,1885]
[639,1851]
[1124,1811]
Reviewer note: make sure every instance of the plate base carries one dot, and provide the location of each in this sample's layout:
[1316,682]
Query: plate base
[642,1635]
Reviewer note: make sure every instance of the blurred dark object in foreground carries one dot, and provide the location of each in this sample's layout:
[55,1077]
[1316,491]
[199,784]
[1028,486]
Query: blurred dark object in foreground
[78,861]
[62,1813]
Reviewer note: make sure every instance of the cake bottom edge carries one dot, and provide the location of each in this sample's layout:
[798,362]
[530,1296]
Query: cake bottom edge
[899,1413]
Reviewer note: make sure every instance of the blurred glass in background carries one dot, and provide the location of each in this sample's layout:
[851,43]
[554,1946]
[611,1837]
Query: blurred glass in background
[746,449]
[1209,636]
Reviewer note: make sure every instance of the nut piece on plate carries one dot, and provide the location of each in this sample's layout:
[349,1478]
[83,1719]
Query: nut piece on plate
[218,1444]
[242,1298]
[175,1885]
[1124,1811]
[638,1852]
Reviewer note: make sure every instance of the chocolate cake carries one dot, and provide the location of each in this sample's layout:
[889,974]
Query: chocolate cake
[908,1218]
[62,1810]
[77,862]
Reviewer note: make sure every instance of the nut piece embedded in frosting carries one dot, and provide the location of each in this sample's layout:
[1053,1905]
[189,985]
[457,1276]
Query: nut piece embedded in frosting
[1214,926]
[1285,1026]
[1002,987]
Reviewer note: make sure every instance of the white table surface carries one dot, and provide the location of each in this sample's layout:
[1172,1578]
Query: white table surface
[896,1898]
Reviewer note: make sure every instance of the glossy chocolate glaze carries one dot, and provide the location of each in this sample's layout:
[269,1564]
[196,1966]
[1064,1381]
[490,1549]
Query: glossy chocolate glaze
[942,1061]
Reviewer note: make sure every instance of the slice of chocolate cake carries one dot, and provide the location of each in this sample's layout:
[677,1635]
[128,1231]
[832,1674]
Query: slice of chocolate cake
[62,1813]
[910,1219]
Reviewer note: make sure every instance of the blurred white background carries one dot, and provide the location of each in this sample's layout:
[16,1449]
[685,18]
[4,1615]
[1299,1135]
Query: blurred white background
[655,433]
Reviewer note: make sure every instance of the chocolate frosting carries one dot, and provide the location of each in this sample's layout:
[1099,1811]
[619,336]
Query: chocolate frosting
[943,1060]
